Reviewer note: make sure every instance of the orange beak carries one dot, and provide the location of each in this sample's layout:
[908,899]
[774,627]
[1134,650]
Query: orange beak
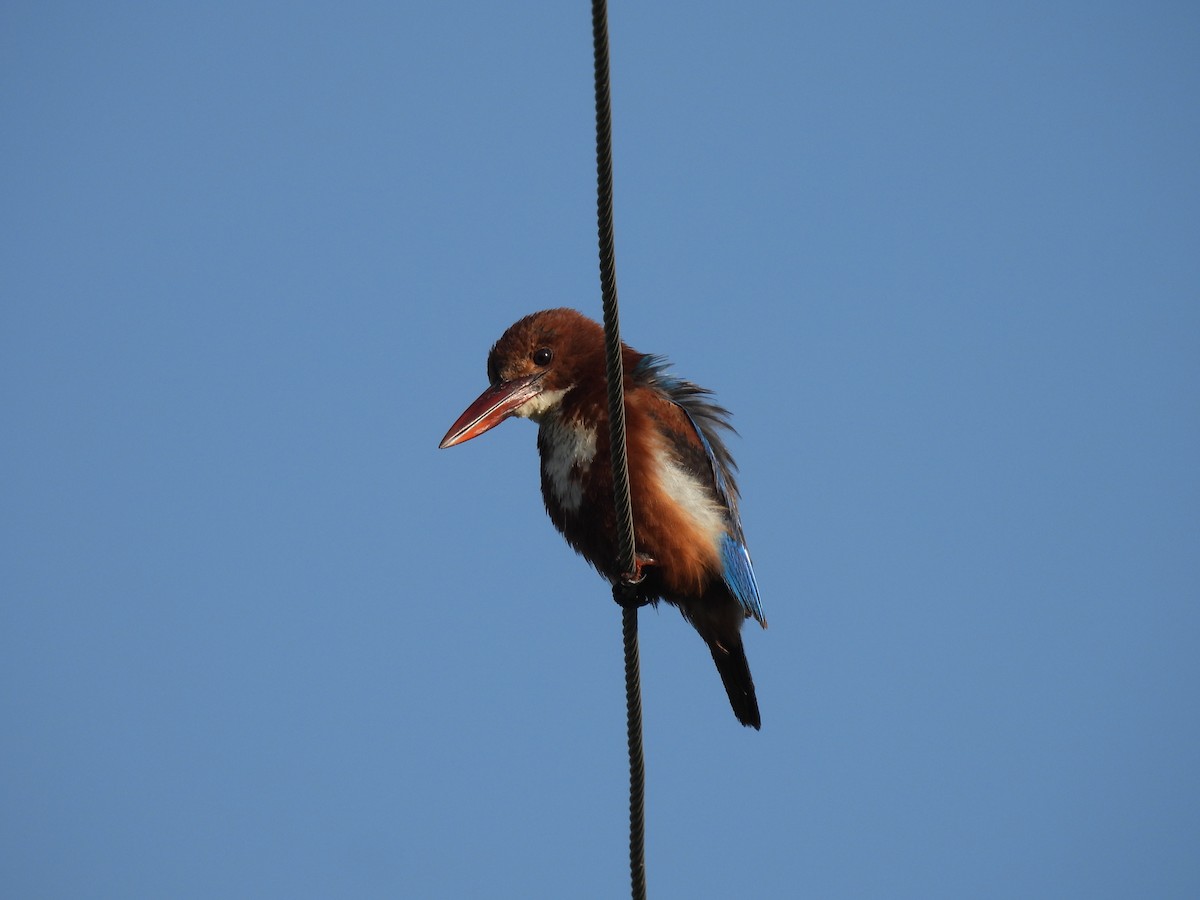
[492,407]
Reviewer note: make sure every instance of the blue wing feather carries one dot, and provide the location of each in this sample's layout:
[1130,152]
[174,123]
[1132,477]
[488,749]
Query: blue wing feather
[707,419]
[739,575]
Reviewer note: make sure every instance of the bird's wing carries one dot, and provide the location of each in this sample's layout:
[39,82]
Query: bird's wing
[708,419]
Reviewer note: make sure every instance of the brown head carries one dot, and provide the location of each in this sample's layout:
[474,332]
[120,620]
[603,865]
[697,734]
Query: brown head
[531,368]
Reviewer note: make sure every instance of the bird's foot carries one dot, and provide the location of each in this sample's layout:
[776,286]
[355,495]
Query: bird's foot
[626,591]
[637,576]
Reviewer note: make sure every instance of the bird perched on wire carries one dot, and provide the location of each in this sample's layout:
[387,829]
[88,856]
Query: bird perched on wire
[550,367]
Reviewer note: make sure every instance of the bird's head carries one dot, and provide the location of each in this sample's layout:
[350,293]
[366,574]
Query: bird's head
[531,368]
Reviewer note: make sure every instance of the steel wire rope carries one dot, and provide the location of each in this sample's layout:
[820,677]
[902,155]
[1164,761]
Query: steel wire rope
[625,591]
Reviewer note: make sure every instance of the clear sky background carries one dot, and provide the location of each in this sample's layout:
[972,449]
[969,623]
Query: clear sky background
[260,638]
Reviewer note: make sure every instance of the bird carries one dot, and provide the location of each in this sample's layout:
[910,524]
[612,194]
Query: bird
[549,367]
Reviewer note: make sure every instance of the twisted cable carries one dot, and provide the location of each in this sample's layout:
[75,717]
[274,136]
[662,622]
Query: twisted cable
[625,590]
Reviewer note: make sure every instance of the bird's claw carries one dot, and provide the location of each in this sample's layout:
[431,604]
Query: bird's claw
[637,576]
[625,591]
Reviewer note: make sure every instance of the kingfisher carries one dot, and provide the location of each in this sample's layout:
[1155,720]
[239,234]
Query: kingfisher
[691,552]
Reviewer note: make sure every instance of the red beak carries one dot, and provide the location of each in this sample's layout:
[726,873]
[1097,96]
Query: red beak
[491,408]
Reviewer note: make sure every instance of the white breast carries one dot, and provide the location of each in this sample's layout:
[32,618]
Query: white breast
[568,451]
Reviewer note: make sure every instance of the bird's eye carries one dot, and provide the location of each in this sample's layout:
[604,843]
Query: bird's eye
[542,356]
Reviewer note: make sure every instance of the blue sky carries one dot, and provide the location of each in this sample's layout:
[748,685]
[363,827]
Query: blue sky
[259,637]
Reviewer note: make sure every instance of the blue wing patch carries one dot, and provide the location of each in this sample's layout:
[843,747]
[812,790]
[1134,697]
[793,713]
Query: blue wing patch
[707,418]
[739,575]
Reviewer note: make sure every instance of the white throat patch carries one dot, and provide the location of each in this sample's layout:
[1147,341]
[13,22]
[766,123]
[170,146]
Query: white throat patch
[538,405]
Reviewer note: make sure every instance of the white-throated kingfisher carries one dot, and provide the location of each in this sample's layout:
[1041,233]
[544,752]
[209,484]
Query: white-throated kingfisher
[549,367]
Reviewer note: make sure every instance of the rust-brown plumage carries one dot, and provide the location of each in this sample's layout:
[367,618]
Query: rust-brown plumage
[549,367]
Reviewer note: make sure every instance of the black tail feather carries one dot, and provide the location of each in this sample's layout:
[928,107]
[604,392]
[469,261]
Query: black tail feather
[734,669]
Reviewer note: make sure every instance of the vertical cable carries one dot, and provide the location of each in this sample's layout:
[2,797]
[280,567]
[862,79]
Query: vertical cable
[624,591]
